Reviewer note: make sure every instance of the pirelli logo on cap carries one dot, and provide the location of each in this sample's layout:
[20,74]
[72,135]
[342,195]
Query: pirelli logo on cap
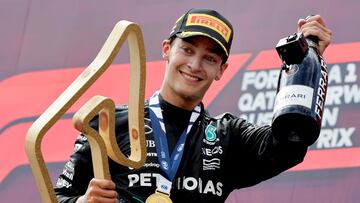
[210,22]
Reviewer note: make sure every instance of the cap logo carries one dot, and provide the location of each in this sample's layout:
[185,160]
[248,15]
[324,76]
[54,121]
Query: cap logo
[210,22]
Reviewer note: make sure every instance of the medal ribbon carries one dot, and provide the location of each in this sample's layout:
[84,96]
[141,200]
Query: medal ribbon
[168,164]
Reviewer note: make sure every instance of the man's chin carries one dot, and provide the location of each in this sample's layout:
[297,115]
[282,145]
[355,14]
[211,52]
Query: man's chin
[191,95]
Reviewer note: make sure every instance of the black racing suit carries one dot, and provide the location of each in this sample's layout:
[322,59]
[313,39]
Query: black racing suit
[233,155]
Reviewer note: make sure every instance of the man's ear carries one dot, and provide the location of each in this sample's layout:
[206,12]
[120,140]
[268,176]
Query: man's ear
[165,49]
[223,67]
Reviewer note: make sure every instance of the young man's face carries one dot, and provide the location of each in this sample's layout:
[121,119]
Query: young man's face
[192,65]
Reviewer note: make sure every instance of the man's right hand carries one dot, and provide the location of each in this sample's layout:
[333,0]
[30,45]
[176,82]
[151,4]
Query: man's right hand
[99,190]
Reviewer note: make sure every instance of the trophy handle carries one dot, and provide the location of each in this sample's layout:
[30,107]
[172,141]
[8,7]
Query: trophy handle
[103,142]
[123,30]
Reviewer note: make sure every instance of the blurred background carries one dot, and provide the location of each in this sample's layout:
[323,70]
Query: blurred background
[46,44]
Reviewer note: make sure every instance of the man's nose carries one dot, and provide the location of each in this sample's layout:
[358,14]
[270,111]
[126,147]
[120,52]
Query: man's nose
[195,63]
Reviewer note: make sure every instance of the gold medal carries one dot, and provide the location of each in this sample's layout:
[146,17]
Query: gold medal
[158,197]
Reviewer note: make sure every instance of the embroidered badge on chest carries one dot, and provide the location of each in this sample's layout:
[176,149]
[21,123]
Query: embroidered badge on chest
[210,133]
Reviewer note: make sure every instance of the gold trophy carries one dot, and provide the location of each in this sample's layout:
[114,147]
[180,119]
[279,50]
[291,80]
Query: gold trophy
[102,142]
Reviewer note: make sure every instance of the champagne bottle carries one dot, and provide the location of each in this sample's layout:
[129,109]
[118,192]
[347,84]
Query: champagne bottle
[301,93]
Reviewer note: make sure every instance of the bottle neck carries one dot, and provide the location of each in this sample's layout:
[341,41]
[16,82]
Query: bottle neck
[312,44]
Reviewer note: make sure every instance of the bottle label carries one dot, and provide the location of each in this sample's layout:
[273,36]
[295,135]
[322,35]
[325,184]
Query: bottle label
[321,90]
[294,95]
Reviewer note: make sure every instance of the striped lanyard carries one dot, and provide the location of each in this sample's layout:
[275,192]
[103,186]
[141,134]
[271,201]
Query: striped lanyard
[168,164]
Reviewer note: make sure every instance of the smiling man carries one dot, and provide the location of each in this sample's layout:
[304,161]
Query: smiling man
[192,156]
[192,65]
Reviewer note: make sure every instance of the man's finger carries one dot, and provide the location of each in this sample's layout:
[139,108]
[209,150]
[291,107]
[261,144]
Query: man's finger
[300,23]
[316,18]
[109,194]
[323,33]
[107,184]
[102,183]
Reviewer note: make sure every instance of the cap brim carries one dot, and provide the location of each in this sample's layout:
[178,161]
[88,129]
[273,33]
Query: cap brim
[192,34]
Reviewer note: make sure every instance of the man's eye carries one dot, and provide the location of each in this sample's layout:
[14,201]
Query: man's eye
[210,59]
[187,50]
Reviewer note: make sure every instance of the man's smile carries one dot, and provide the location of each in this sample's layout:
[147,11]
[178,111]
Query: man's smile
[189,76]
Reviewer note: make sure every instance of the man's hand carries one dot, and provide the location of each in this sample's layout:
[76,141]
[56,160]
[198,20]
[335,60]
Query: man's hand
[315,26]
[99,191]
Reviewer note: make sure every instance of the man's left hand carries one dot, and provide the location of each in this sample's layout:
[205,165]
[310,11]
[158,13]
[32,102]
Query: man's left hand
[315,26]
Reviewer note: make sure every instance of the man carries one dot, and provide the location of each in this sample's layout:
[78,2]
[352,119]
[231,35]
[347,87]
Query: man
[198,158]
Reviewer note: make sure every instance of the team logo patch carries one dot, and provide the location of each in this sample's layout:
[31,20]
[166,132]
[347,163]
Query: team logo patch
[210,133]
[209,22]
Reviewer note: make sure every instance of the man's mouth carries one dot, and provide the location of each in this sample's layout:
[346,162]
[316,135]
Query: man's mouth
[190,77]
